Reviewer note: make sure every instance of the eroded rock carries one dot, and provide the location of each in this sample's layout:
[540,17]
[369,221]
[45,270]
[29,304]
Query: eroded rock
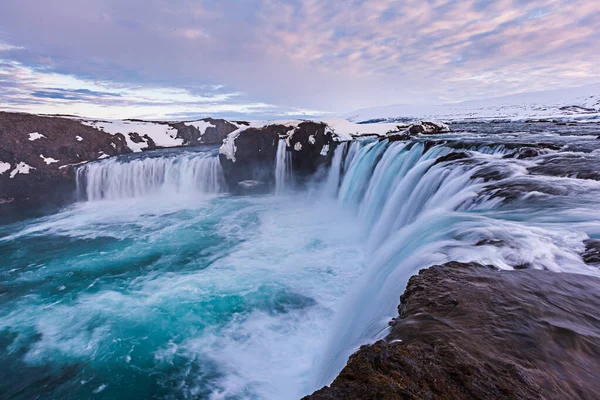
[467,331]
[250,156]
[307,143]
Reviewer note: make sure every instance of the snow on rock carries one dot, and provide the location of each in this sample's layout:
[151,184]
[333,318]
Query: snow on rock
[228,148]
[201,125]
[161,134]
[325,150]
[311,139]
[21,168]
[298,146]
[35,136]
[345,130]
[48,160]
[103,155]
[79,138]
[4,166]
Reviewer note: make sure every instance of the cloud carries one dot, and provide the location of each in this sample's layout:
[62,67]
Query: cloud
[322,55]
[8,47]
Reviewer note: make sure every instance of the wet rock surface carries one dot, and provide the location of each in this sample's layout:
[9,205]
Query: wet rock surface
[452,157]
[468,331]
[591,255]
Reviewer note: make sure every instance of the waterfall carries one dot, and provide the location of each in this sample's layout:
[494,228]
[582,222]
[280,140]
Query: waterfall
[116,178]
[334,175]
[283,168]
[410,208]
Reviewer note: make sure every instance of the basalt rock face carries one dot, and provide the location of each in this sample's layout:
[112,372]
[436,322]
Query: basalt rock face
[309,144]
[251,157]
[467,331]
[215,132]
[38,156]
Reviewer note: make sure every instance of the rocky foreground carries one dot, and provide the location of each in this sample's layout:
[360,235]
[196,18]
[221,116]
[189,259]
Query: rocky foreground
[468,331]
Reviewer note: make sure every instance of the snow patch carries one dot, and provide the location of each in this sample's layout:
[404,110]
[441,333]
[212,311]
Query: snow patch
[298,146]
[79,138]
[201,125]
[325,150]
[344,130]
[103,155]
[162,134]
[311,139]
[48,160]
[21,168]
[35,136]
[4,166]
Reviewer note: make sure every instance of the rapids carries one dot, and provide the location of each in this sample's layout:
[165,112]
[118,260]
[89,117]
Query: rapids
[157,283]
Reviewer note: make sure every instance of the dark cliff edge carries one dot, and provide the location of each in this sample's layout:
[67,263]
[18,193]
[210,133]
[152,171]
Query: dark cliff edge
[467,331]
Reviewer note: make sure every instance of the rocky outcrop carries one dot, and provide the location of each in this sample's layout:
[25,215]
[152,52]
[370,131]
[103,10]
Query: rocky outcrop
[38,156]
[428,128]
[467,331]
[421,128]
[249,155]
[204,131]
[451,157]
[591,255]
[309,144]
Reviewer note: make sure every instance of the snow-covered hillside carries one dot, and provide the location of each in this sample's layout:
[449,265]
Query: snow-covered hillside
[580,103]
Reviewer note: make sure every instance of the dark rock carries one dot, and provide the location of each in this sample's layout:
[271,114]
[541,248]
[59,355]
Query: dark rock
[48,184]
[214,134]
[136,138]
[490,242]
[451,157]
[254,158]
[591,255]
[524,153]
[579,166]
[307,143]
[427,128]
[467,331]
[397,138]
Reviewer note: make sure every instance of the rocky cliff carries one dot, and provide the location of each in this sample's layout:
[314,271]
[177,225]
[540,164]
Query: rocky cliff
[466,331]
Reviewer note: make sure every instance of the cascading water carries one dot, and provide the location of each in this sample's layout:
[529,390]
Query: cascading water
[263,296]
[283,168]
[417,214]
[113,179]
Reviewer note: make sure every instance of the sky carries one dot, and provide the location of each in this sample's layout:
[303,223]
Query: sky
[183,59]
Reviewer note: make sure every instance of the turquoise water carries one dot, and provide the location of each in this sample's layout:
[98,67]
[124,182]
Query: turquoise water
[197,296]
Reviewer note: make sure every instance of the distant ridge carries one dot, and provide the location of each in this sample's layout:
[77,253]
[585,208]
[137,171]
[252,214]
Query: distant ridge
[573,103]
